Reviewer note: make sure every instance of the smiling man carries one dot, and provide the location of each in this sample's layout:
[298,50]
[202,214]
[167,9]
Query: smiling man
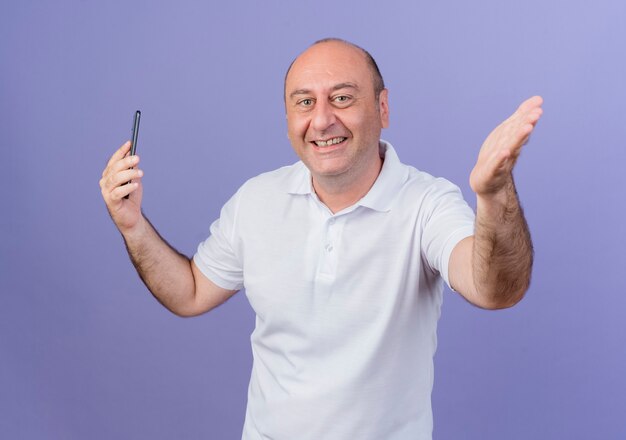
[343,256]
[335,113]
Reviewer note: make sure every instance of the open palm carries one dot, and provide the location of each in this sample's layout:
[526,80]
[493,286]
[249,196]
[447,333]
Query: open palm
[502,147]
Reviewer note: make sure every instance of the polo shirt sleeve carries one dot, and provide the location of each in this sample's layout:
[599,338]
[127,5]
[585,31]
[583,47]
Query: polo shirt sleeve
[218,257]
[449,220]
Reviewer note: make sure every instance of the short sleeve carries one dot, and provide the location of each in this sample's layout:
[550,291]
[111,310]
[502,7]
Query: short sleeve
[218,257]
[449,220]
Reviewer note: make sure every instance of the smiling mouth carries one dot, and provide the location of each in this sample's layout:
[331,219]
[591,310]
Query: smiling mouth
[329,142]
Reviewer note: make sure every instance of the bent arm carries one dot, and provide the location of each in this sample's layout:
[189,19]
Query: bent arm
[492,269]
[171,277]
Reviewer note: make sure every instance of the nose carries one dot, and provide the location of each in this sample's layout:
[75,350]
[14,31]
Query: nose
[323,116]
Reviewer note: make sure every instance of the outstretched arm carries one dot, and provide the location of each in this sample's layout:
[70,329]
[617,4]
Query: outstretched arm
[492,268]
[172,278]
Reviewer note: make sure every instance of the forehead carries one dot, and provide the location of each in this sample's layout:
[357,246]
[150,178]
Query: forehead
[326,64]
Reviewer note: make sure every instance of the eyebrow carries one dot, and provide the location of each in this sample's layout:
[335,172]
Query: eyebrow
[344,85]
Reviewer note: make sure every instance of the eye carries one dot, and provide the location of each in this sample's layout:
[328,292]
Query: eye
[306,102]
[342,100]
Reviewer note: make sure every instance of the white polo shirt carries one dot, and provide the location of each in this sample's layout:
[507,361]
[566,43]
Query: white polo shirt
[346,304]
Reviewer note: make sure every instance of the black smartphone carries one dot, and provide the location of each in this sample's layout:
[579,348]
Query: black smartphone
[133,145]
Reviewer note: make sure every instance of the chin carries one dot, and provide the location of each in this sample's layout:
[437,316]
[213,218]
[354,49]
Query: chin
[328,169]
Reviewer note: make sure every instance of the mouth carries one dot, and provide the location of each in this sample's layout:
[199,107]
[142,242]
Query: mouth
[329,142]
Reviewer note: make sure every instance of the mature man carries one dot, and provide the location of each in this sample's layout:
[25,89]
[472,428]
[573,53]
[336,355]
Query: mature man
[342,256]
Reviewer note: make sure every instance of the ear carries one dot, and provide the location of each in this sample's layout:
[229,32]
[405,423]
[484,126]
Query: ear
[383,107]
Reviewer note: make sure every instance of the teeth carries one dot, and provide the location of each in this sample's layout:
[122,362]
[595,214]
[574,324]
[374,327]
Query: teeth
[332,141]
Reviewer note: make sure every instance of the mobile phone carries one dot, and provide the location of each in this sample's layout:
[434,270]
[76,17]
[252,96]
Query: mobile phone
[133,145]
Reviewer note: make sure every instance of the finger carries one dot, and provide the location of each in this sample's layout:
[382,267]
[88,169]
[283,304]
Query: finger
[535,115]
[110,182]
[122,191]
[526,107]
[120,153]
[124,177]
[532,120]
[122,164]
[522,135]
[536,100]
[531,103]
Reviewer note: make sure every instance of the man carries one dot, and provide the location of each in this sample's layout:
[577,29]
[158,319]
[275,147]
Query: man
[342,256]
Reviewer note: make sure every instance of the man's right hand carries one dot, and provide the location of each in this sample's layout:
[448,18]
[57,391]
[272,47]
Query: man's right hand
[121,169]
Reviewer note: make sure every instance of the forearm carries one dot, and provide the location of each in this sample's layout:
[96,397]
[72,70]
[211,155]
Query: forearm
[165,272]
[502,251]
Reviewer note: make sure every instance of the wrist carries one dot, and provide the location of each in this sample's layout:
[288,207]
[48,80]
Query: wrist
[137,232]
[498,205]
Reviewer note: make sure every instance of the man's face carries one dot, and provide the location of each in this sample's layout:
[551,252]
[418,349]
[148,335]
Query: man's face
[333,117]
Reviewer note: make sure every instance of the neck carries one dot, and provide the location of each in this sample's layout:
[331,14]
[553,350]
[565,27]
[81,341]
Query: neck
[340,192]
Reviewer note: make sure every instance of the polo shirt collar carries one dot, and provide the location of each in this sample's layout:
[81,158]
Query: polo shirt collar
[300,180]
[379,198]
[388,183]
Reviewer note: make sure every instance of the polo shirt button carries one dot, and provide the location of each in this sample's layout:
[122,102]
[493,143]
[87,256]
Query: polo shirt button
[331,221]
[329,248]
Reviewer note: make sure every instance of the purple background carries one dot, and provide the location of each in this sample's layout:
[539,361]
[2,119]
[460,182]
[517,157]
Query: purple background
[86,352]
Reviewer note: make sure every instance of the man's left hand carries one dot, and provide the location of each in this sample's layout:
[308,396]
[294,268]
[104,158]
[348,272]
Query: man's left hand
[498,154]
